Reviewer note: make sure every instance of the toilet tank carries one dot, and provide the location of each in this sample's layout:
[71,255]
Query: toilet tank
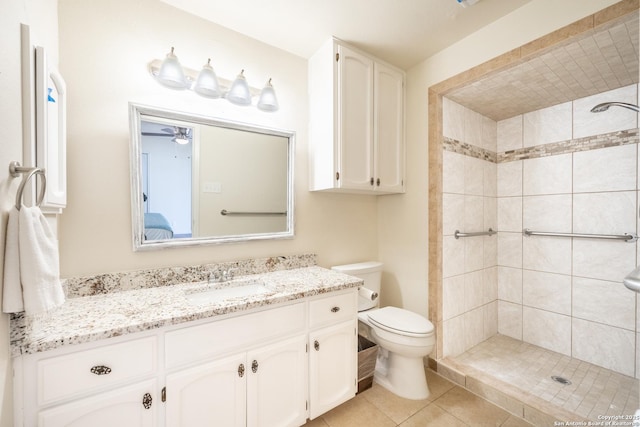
[370,272]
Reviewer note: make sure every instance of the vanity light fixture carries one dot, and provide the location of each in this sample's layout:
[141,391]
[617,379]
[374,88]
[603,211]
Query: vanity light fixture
[268,100]
[171,74]
[239,93]
[206,83]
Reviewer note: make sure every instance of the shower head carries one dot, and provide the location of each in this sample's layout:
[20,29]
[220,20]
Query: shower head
[605,106]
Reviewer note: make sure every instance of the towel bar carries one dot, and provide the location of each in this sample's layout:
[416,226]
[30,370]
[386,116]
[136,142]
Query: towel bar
[458,234]
[15,170]
[226,212]
[627,237]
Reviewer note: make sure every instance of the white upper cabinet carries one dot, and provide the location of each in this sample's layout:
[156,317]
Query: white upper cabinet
[357,122]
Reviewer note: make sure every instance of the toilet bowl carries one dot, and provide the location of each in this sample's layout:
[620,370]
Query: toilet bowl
[404,338]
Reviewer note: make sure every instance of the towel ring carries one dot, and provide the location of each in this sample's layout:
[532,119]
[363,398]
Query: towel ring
[15,170]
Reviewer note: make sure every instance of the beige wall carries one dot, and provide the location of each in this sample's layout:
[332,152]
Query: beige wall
[402,220]
[104,62]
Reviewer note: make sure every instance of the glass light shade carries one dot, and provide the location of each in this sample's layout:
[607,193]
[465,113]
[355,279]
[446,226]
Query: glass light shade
[171,74]
[181,140]
[207,82]
[268,100]
[239,93]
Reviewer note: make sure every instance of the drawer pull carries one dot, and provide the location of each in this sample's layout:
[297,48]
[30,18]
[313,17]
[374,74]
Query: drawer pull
[147,401]
[254,366]
[241,370]
[316,345]
[335,309]
[100,370]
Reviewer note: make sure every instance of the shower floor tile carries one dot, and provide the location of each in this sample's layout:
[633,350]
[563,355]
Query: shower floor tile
[523,371]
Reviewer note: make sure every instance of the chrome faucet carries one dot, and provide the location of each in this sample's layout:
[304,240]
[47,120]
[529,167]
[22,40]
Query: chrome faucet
[221,275]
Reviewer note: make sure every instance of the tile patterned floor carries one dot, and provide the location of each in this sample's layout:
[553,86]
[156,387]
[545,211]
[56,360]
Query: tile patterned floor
[594,391]
[448,406]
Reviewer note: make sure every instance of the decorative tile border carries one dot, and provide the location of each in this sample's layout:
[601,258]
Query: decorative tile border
[612,139]
[141,279]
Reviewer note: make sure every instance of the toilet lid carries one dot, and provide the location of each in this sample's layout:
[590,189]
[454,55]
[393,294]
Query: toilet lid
[401,321]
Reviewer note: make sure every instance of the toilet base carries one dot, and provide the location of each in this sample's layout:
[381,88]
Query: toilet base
[404,377]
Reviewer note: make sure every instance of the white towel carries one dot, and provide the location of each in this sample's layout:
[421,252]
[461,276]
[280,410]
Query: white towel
[32,270]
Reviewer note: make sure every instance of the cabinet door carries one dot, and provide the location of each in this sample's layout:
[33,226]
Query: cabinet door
[389,129]
[333,359]
[355,120]
[212,394]
[277,384]
[128,406]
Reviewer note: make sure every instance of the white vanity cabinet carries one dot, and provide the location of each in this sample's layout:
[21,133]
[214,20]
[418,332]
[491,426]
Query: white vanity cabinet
[356,122]
[333,364]
[275,365]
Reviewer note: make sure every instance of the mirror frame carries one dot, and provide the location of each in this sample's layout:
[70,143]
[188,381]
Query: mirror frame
[136,111]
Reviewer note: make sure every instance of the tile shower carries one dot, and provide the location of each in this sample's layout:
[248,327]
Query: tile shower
[558,169]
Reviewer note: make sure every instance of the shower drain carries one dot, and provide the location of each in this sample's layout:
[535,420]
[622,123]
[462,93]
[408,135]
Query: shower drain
[560,380]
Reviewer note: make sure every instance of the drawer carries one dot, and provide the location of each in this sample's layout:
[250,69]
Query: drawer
[200,342]
[64,376]
[332,309]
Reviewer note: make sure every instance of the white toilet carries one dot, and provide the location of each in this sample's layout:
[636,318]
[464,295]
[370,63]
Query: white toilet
[404,337]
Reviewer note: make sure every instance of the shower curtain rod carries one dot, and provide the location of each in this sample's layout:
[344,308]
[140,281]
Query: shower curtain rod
[628,237]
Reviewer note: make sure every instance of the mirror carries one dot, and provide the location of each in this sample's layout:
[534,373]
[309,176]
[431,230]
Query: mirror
[197,180]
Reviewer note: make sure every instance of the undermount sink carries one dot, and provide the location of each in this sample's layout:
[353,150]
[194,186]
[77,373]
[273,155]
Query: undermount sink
[226,291]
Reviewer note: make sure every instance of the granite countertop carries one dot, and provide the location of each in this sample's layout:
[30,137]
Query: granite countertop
[96,317]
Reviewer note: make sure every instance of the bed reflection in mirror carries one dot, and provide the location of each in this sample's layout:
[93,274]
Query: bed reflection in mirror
[197,180]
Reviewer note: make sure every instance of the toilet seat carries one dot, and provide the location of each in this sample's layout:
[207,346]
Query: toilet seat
[399,321]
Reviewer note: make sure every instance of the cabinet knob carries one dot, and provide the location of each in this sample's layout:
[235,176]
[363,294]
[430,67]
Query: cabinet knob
[241,370]
[100,370]
[254,366]
[371,181]
[335,309]
[147,401]
[316,345]
[378,182]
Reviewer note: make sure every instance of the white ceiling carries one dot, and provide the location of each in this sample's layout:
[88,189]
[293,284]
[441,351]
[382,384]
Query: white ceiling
[402,32]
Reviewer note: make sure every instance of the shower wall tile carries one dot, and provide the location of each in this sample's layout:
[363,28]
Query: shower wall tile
[490,181]
[452,119]
[547,291]
[472,128]
[603,345]
[489,134]
[490,284]
[604,302]
[605,213]
[510,319]
[605,169]
[603,259]
[452,172]
[473,254]
[548,213]
[473,176]
[551,124]
[490,213]
[510,284]
[510,214]
[473,214]
[547,330]
[510,134]
[452,256]
[548,254]
[452,213]
[510,249]
[548,175]
[586,123]
[510,179]
[473,327]
[490,251]
[452,297]
[490,319]
[473,290]
[453,340]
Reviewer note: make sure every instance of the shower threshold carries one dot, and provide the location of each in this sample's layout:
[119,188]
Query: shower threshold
[517,376]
